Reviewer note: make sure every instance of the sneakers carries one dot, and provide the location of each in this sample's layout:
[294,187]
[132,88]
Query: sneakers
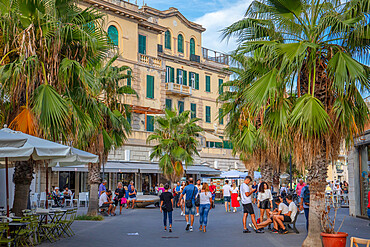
[246,231]
[285,231]
[197,214]
[260,231]
[252,226]
[274,230]
[234,211]
[191,229]
[170,230]
[182,213]
[187,227]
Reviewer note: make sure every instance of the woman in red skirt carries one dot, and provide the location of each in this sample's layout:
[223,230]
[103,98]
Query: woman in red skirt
[234,197]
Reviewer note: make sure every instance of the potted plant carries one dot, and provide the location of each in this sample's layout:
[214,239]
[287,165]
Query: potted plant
[330,237]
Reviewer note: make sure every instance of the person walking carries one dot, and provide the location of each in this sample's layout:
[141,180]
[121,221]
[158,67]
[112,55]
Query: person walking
[205,197]
[182,200]
[120,193]
[166,207]
[255,186]
[246,198]
[299,188]
[227,195]
[264,200]
[212,189]
[177,193]
[234,197]
[305,203]
[199,187]
[190,191]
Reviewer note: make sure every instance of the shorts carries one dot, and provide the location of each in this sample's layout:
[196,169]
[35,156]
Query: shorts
[118,202]
[255,195]
[191,210]
[287,219]
[227,198]
[248,208]
[105,205]
[131,198]
[213,197]
[265,204]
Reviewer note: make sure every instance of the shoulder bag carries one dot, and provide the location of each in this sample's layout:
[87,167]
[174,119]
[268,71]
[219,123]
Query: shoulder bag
[189,202]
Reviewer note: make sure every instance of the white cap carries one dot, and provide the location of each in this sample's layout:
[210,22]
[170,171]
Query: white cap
[57,188]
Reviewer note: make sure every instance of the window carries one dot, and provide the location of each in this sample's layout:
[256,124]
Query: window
[149,123]
[150,87]
[129,78]
[180,43]
[142,44]
[208,83]
[192,46]
[170,74]
[220,118]
[181,77]
[167,40]
[194,80]
[169,104]
[193,108]
[113,35]
[208,114]
[181,106]
[220,82]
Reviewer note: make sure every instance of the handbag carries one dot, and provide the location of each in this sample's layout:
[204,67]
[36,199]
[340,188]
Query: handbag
[189,202]
[164,208]
[197,201]
[238,198]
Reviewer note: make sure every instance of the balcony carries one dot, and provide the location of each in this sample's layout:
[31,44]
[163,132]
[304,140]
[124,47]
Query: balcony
[194,58]
[215,56]
[174,88]
[150,61]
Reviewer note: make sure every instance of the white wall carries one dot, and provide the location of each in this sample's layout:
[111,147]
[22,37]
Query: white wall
[3,187]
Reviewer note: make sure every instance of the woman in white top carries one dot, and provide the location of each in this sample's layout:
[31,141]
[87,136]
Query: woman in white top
[234,197]
[182,202]
[205,205]
[264,200]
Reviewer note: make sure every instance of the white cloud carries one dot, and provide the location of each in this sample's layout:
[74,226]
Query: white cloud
[217,20]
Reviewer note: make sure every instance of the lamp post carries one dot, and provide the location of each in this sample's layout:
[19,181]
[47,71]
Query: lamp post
[290,172]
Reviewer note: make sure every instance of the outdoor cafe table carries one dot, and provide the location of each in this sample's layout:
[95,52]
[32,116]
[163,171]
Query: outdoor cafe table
[55,219]
[16,227]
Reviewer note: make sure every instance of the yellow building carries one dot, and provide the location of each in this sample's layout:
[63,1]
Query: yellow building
[170,68]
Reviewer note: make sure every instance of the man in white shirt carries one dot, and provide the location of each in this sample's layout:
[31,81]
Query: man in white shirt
[246,198]
[280,210]
[227,195]
[104,203]
[288,217]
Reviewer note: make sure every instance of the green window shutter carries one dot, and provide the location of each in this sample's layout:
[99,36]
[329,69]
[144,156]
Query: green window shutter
[129,78]
[181,106]
[192,46]
[169,104]
[221,119]
[196,81]
[193,108]
[177,76]
[172,74]
[142,44]
[180,43]
[208,83]
[149,123]
[150,87]
[218,144]
[184,77]
[167,40]
[167,74]
[113,35]
[208,114]
[220,82]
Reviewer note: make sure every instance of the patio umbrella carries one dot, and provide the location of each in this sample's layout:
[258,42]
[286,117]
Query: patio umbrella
[77,157]
[233,174]
[9,140]
[34,147]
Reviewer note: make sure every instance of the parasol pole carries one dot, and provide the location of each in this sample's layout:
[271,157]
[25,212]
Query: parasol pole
[7,187]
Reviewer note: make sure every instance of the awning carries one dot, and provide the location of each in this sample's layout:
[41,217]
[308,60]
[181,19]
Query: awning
[78,157]
[210,137]
[202,170]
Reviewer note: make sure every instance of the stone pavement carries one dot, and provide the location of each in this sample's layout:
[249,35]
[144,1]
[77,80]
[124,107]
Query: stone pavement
[224,229]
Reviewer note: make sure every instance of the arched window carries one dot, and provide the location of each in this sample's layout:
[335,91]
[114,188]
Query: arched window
[113,34]
[192,46]
[167,40]
[180,43]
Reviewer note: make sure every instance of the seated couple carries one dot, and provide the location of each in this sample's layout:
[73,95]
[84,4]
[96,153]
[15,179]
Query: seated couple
[281,214]
[105,202]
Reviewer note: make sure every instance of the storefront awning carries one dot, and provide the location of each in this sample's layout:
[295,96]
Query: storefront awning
[202,170]
[211,137]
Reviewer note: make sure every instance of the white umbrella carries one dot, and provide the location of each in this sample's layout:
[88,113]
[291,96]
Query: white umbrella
[78,157]
[9,140]
[35,148]
[233,174]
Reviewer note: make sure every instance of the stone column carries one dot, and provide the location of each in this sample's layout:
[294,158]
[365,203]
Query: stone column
[354,181]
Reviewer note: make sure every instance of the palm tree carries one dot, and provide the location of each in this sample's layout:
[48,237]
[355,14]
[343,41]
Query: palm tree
[321,47]
[176,142]
[51,52]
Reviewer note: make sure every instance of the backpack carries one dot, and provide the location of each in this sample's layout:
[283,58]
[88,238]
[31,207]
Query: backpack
[306,196]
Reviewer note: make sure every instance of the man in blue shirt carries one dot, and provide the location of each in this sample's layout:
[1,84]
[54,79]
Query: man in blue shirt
[305,202]
[102,187]
[177,193]
[190,193]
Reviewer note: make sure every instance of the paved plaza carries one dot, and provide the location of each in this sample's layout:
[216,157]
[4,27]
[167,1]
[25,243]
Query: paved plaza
[144,227]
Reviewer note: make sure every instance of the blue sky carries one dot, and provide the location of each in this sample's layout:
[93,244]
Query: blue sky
[212,14]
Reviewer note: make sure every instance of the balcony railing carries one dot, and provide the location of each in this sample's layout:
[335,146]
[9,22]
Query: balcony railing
[151,61]
[174,88]
[215,56]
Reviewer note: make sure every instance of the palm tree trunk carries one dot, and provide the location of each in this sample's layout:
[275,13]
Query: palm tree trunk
[316,178]
[22,179]
[276,180]
[94,180]
[266,173]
